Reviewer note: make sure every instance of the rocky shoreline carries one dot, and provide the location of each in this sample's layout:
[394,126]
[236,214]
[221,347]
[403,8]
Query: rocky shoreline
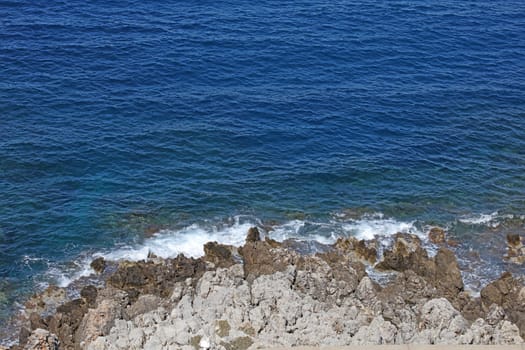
[267,294]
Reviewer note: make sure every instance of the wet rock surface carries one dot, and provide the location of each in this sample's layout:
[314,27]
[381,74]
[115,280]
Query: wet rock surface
[264,294]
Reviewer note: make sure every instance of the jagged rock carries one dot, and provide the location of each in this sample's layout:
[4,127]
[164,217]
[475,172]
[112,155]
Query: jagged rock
[326,278]
[97,322]
[447,276]
[253,235]
[360,249]
[89,295]
[367,290]
[495,314]
[470,307]
[64,323]
[41,339]
[343,267]
[416,289]
[407,254]
[507,292]
[437,235]
[47,301]
[144,304]
[378,332]
[220,255]
[278,297]
[263,258]
[507,333]
[442,271]
[99,265]
[150,277]
[441,323]
[480,333]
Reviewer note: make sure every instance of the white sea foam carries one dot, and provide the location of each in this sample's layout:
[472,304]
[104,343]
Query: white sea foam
[373,228]
[188,241]
[296,229]
[491,220]
[80,268]
[191,239]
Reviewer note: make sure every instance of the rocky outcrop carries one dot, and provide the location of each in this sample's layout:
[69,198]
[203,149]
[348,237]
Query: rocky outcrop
[441,271]
[265,295]
[225,311]
[155,276]
[264,258]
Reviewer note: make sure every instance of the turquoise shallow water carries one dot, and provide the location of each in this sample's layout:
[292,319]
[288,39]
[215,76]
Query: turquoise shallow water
[121,119]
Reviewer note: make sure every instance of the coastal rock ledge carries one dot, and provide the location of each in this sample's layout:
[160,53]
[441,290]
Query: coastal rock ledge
[264,294]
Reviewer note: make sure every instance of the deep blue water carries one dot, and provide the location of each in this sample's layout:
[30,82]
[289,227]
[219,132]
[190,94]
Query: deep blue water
[122,118]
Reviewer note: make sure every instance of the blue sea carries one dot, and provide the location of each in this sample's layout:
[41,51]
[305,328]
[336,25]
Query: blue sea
[135,126]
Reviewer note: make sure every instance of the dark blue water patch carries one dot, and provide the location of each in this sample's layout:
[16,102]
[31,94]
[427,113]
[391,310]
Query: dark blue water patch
[124,117]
